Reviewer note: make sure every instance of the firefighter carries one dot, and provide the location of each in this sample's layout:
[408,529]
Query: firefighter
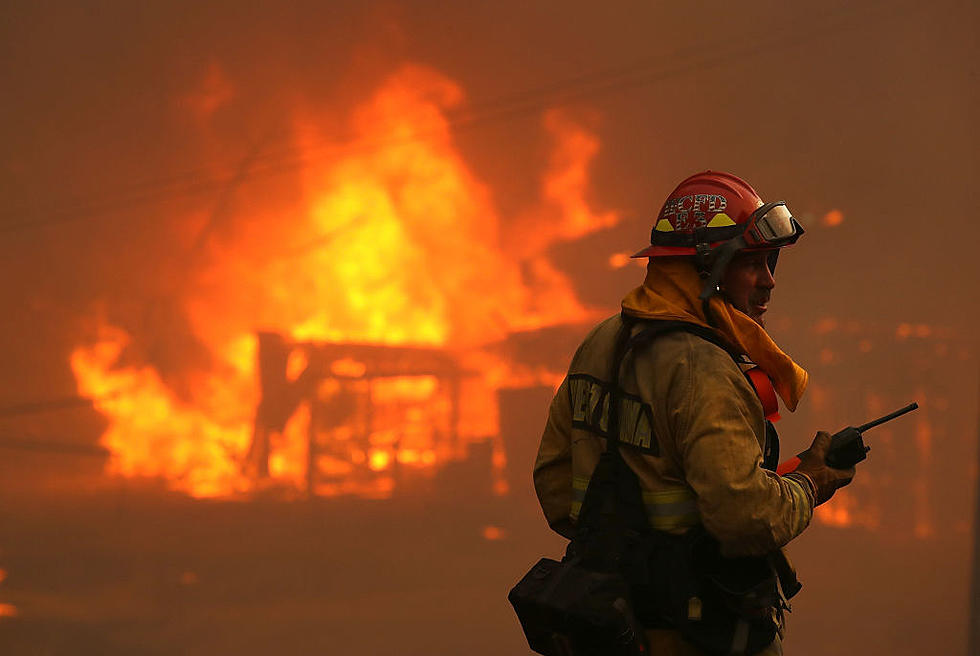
[700,438]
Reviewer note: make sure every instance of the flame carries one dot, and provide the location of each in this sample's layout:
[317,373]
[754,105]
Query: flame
[838,511]
[146,418]
[621,260]
[7,610]
[568,177]
[393,241]
[564,212]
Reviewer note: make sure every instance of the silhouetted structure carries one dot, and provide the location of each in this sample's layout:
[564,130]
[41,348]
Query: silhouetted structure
[336,383]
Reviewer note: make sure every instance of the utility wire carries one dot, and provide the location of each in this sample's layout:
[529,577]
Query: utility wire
[48,405]
[35,407]
[50,446]
[590,85]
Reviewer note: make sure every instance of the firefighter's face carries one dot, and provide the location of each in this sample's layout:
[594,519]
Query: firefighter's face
[748,283]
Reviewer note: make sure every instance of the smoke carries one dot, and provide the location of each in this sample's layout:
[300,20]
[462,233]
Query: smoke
[159,157]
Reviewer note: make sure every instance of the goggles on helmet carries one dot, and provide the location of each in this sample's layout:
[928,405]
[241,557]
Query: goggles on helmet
[770,226]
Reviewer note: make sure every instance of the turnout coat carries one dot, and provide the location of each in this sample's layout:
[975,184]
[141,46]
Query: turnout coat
[692,428]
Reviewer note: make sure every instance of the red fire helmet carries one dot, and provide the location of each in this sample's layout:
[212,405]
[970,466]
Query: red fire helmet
[713,215]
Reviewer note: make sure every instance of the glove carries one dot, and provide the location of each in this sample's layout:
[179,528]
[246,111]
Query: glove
[826,480]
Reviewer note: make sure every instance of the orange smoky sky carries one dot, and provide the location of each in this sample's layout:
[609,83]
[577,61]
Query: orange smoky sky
[465,182]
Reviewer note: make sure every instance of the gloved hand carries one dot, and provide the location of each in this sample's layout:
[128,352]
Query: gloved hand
[826,480]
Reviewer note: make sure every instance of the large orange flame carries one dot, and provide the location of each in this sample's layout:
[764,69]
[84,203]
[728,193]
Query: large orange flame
[396,242]
[154,433]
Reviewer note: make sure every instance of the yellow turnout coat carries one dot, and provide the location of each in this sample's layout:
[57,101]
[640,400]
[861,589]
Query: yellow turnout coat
[693,430]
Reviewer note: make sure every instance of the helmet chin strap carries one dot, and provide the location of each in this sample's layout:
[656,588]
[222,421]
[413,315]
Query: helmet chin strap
[720,258]
[711,266]
[772,260]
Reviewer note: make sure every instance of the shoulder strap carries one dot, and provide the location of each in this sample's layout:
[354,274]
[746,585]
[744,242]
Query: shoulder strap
[654,329]
[626,342]
[757,378]
[612,515]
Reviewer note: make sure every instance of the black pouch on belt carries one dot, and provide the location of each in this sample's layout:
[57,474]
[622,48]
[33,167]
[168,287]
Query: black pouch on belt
[724,606]
[582,606]
[568,610]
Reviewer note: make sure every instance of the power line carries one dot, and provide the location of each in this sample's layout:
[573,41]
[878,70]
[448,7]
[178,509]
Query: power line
[590,85]
[34,407]
[50,446]
[49,405]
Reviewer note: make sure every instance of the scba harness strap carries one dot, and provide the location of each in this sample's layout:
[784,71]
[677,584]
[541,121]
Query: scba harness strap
[756,377]
[620,575]
[583,605]
[677,581]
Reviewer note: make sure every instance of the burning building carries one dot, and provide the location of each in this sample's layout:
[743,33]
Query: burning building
[364,335]
[370,332]
[277,263]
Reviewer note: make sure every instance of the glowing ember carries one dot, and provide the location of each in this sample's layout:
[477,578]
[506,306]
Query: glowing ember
[493,533]
[833,218]
[837,512]
[188,578]
[394,242]
[379,459]
[6,610]
[924,527]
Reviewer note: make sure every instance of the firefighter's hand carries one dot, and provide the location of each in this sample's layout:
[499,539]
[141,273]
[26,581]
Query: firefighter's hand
[825,479]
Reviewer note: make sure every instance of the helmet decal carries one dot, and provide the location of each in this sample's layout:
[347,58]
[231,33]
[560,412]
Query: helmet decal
[690,212]
[720,221]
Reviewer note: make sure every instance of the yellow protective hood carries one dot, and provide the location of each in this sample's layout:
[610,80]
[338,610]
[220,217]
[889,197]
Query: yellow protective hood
[670,292]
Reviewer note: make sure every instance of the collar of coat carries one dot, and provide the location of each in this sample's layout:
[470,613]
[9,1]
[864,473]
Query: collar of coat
[670,292]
